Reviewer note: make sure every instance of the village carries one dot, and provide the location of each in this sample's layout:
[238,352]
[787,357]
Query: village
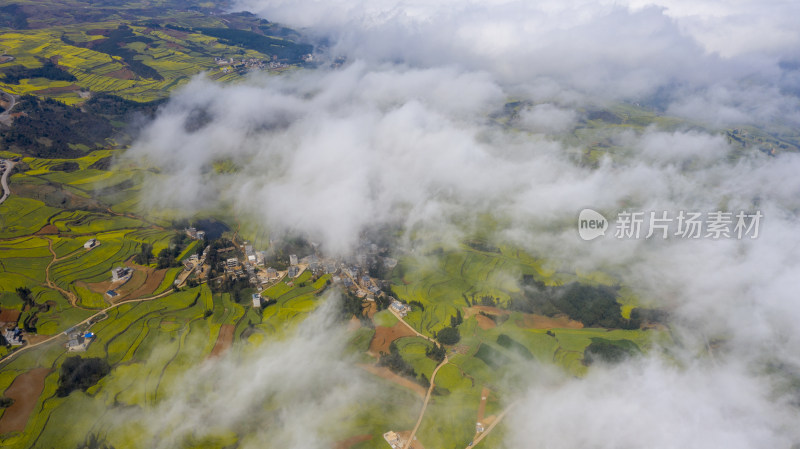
[228,65]
[252,265]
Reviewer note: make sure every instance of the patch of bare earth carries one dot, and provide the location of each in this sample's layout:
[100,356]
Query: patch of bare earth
[485,322]
[121,74]
[224,340]
[386,373]
[352,441]
[48,230]
[384,336]
[58,90]
[369,308]
[533,321]
[25,391]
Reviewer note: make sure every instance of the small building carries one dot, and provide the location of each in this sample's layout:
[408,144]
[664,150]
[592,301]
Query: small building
[78,342]
[232,262]
[111,293]
[91,243]
[13,336]
[293,259]
[201,235]
[393,439]
[121,274]
[192,232]
[256,300]
[294,270]
[272,273]
[479,427]
[400,308]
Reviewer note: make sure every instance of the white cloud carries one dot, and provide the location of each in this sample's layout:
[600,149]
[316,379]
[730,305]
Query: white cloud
[330,152]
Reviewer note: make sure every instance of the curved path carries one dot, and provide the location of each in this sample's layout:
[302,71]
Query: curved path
[5,116]
[491,426]
[4,180]
[424,404]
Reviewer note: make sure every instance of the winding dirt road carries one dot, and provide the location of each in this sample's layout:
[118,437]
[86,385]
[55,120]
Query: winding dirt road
[9,164]
[424,404]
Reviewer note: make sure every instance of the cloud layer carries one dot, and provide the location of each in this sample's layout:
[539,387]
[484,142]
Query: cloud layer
[405,134]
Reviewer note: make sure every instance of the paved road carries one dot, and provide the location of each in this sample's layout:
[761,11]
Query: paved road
[87,320]
[9,164]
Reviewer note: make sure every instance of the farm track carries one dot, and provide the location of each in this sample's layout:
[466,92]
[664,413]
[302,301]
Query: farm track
[73,300]
[425,404]
[4,180]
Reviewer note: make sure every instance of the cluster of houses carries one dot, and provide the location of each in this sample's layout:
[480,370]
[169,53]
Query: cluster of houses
[78,341]
[239,65]
[196,233]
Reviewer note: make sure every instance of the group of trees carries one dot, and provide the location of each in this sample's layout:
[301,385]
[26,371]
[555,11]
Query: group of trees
[168,257]
[592,305]
[436,352]
[15,73]
[25,296]
[114,45]
[455,321]
[282,48]
[79,374]
[145,254]
[608,351]
[48,128]
[448,336]
[395,362]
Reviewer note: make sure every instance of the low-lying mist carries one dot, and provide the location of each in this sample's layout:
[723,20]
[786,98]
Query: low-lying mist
[407,133]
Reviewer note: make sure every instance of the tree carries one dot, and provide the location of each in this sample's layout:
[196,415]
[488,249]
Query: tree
[456,320]
[436,352]
[448,336]
[78,373]
[24,294]
[145,254]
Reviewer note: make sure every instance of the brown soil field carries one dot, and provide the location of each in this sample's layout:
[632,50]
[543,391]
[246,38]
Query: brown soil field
[122,74]
[369,308]
[352,441]
[25,391]
[485,322]
[482,408]
[545,322]
[386,373]
[143,282]
[47,230]
[224,340]
[384,336]
[152,279]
